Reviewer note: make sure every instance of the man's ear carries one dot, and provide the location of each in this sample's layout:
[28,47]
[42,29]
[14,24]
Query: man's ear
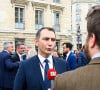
[92,41]
[36,41]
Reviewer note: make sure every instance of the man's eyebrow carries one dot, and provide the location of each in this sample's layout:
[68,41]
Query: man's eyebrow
[49,38]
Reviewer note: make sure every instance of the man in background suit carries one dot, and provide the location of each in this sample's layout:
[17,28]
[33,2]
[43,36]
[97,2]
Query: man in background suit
[8,67]
[82,60]
[31,73]
[70,57]
[19,55]
[86,77]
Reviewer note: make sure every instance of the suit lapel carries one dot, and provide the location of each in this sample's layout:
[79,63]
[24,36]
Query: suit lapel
[38,71]
[24,57]
[17,57]
[55,64]
[69,57]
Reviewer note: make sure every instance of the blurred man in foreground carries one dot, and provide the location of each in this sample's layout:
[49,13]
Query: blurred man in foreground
[86,77]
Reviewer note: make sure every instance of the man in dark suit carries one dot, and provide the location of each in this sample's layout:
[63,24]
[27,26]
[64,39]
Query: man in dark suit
[86,77]
[19,55]
[8,67]
[82,60]
[32,74]
[70,57]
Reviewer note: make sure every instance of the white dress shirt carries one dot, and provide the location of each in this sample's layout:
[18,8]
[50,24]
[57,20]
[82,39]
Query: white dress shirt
[42,67]
[68,55]
[96,55]
[20,57]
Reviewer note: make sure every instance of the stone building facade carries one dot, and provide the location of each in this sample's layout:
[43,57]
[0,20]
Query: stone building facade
[20,20]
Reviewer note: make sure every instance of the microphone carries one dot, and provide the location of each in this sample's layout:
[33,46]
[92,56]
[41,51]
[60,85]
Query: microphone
[51,74]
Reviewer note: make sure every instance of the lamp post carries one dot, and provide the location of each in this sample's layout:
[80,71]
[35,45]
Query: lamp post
[79,43]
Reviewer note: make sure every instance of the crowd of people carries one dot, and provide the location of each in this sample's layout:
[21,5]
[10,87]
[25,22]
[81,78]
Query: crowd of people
[26,69]
[9,62]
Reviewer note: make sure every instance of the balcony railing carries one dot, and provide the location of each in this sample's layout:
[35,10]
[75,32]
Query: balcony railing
[19,25]
[38,26]
[56,27]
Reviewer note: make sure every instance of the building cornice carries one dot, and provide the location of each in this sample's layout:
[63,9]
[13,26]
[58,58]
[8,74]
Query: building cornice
[83,1]
[14,31]
[19,1]
[56,6]
[39,3]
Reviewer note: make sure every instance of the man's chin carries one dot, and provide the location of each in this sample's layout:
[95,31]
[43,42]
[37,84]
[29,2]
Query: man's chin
[49,52]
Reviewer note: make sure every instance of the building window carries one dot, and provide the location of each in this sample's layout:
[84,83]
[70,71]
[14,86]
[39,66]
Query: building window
[78,17]
[38,19]
[98,0]
[19,18]
[58,44]
[56,1]
[78,7]
[89,6]
[56,21]
[77,26]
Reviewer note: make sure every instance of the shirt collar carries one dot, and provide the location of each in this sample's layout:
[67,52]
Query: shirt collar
[96,55]
[19,54]
[68,53]
[6,51]
[41,58]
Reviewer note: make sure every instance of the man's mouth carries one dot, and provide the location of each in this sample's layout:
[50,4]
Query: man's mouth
[49,49]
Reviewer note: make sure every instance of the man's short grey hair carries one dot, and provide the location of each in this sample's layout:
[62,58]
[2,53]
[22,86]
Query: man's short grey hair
[7,44]
[39,31]
[19,43]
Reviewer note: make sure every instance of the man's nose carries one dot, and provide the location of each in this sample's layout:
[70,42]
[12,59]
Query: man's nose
[50,42]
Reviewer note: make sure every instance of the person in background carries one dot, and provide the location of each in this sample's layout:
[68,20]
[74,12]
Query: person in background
[32,73]
[82,60]
[28,48]
[20,52]
[31,53]
[76,54]
[56,53]
[88,76]
[70,57]
[8,67]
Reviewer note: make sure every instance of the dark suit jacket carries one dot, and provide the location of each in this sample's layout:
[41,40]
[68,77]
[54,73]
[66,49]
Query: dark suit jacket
[29,76]
[1,70]
[72,61]
[8,70]
[82,60]
[15,57]
[83,78]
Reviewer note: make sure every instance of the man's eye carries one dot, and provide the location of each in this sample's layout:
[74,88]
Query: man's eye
[53,39]
[46,38]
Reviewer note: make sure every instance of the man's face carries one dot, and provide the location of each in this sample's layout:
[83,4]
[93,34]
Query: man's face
[10,48]
[65,50]
[46,42]
[28,49]
[55,54]
[86,50]
[21,49]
